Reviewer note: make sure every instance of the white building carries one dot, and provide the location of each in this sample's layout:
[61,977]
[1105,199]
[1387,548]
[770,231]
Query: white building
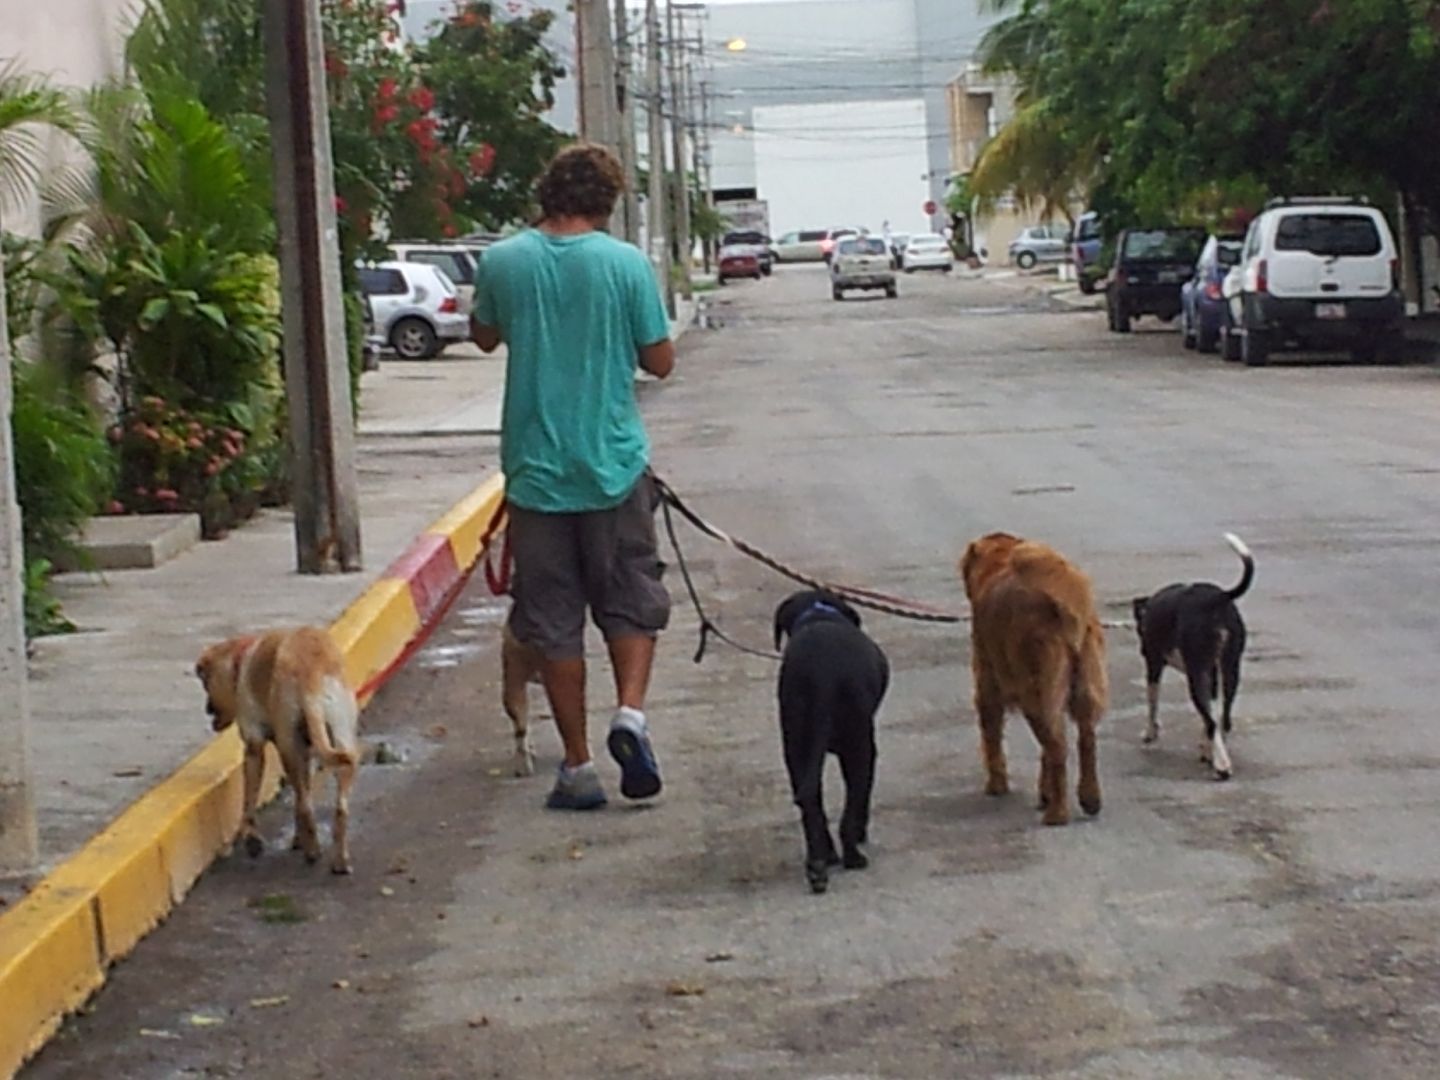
[839,70]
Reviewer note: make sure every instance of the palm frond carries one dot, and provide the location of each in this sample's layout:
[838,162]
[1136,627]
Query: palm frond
[28,103]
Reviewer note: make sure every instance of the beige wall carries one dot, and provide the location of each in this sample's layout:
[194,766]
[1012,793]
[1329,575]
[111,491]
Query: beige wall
[75,43]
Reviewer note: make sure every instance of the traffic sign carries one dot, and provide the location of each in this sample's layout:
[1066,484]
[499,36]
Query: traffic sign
[930,206]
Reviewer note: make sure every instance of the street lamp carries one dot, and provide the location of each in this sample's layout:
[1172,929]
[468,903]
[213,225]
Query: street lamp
[738,44]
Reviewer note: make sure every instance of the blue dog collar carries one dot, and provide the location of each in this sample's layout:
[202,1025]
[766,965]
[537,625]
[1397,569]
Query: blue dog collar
[819,607]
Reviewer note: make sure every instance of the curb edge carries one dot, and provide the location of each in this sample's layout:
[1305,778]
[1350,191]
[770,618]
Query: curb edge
[57,944]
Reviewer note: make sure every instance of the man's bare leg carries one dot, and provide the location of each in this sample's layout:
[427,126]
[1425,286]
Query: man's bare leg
[632,657]
[565,686]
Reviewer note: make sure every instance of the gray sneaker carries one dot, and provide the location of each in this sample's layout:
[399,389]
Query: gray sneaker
[577,789]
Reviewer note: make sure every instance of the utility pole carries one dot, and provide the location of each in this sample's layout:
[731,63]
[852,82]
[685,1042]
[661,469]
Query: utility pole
[678,124]
[700,146]
[625,109]
[317,370]
[19,846]
[599,122]
[595,48]
[659,236]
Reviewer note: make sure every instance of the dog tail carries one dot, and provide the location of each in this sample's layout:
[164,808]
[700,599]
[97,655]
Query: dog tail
[315,708]
[1238,546]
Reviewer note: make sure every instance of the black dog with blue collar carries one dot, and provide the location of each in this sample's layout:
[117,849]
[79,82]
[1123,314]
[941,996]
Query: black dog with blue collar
[832,680]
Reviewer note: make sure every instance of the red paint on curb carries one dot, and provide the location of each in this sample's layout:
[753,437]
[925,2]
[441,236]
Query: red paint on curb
[429,567]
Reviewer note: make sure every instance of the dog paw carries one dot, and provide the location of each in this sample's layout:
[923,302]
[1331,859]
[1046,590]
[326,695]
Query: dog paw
[1057,815]
[855,860]
[997,785]
[1090,804]
[1150,738]
[341,866]
[524,765]
[254,846]
[1222,774]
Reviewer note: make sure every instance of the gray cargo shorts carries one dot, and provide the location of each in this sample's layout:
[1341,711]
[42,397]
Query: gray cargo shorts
[605,560]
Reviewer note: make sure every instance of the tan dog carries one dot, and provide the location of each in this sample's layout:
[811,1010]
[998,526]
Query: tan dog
[1037,646]
[519,667]
[288,687]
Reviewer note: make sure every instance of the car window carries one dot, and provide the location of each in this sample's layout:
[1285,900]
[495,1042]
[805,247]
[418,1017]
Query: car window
[1166,244]
[1227,252]
[789,238]
[862,245]
[377,282]
[1330,235]
[455,265]
[810,236]
[1088,229]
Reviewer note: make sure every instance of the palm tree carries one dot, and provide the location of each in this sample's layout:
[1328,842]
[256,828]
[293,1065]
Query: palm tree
[28,105]
[1034,157]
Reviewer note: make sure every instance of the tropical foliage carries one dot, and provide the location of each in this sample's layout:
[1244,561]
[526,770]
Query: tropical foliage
[1199,109]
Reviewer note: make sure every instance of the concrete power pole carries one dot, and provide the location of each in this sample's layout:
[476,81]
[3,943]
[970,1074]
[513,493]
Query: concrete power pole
[655,197]
[599,121]
[678,123]
[18,843]
[625,108]
[317,370]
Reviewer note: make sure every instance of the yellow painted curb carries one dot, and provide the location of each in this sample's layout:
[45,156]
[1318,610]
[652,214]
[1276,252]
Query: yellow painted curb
[466,523]
[57,944]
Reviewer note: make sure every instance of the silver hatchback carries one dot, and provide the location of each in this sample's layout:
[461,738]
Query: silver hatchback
[1037,244]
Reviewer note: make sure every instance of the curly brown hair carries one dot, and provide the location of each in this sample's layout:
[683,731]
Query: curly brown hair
[583,180]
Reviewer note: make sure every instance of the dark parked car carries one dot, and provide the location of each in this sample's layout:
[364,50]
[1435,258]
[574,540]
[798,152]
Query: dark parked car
[759,241]
[1151,265]
[739,261]
[1203,310]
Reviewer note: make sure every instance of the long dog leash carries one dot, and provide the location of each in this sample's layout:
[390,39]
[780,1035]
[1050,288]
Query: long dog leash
[860,597]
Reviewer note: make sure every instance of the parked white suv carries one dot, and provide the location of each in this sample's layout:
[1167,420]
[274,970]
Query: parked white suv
[1317,273]
[417,311]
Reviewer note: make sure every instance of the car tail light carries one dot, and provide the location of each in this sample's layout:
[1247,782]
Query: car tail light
[1212,290]
[1262,276]
[449,306]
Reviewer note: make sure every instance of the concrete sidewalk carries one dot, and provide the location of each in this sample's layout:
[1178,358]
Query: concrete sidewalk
[116,707]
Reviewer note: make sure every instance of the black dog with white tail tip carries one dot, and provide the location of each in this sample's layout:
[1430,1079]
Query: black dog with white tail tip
[1197,629]
[832,680]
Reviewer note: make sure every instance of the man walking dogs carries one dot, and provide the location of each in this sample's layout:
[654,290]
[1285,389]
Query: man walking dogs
[578,310]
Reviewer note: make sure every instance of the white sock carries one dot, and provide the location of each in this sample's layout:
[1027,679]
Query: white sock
[630,719]
[569,772]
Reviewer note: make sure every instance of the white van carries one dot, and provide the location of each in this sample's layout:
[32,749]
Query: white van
[1316,273]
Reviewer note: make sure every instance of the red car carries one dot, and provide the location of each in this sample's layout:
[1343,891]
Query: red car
[739,261]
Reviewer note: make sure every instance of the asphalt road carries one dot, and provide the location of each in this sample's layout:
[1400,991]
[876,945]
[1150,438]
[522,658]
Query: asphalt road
[1283,924]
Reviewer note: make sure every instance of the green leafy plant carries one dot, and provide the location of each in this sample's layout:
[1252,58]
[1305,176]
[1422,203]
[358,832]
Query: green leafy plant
[63,471]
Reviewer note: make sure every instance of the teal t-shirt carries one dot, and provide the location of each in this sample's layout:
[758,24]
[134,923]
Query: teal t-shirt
[573,312]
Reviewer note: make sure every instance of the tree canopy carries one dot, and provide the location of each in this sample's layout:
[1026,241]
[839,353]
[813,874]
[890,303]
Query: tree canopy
[1163,109]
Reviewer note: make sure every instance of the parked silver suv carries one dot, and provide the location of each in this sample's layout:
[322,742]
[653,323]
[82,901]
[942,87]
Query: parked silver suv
[417,311]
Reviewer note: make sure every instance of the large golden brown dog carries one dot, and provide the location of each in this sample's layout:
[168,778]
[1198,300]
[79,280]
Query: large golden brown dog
[1037,646]
[288,687]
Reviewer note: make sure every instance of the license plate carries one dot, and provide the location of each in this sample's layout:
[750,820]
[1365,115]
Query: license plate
[1329,311]
[1167,277]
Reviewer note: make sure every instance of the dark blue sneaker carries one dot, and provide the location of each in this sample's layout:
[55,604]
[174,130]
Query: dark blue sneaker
[629,745]
[577,789]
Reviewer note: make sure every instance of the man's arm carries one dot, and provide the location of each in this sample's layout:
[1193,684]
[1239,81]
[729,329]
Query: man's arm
[657,359]
[487,337]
